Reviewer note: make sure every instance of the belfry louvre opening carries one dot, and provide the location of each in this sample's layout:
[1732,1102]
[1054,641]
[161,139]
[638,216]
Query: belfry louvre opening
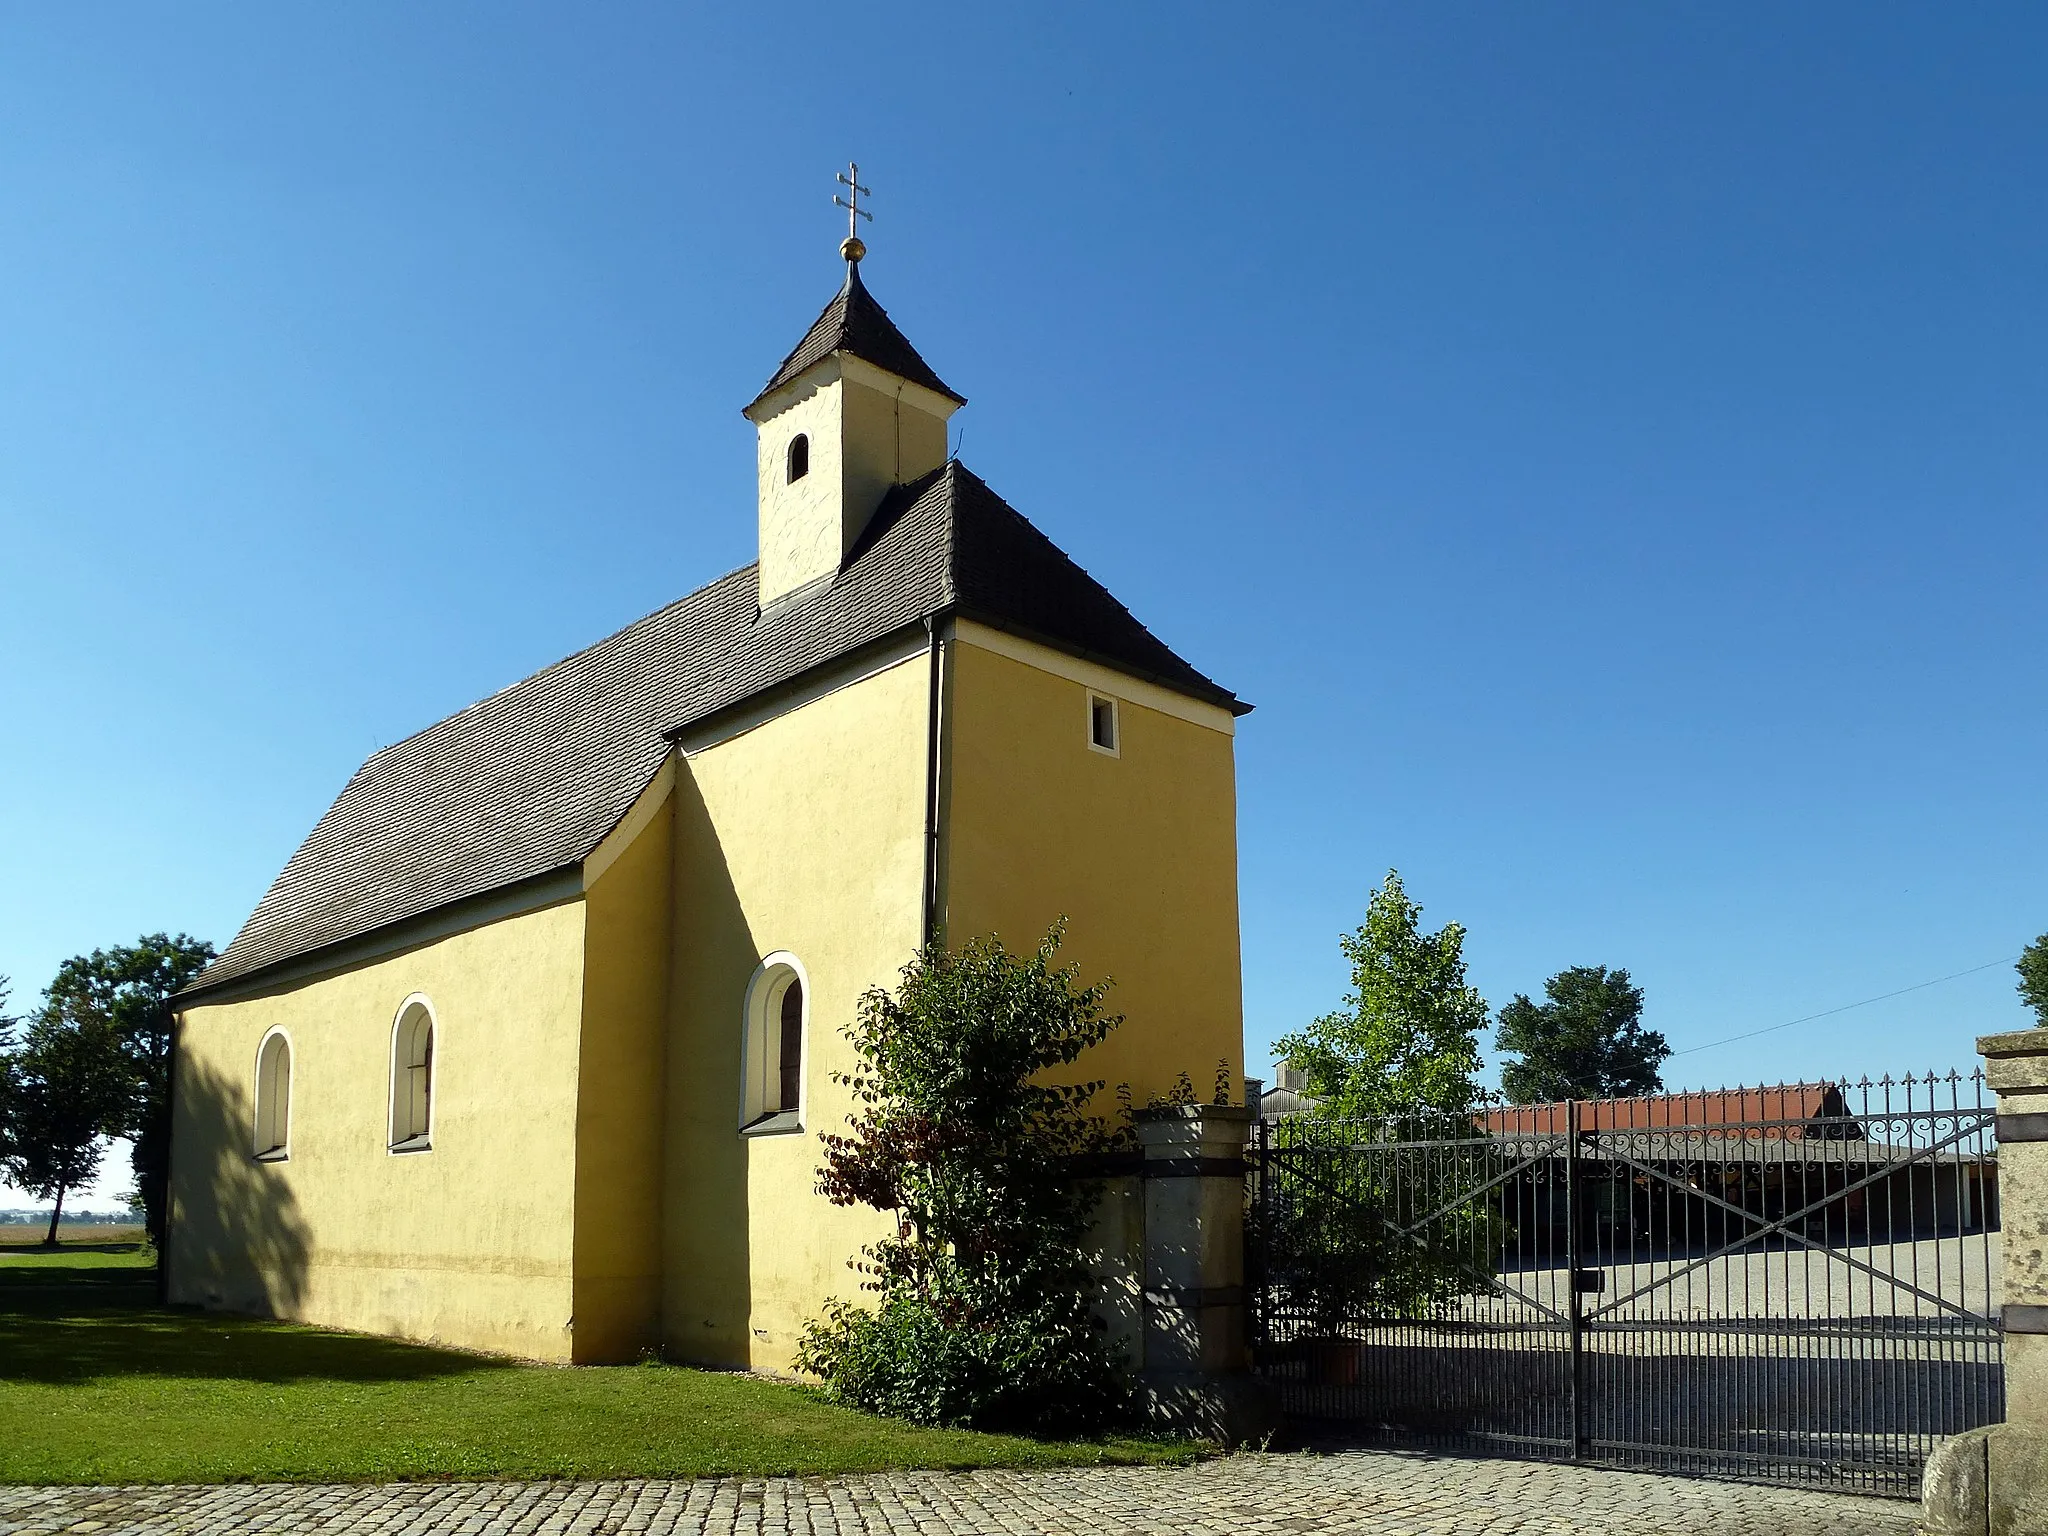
[1796,1285]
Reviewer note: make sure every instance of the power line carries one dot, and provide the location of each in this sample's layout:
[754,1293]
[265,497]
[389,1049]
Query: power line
[1828,1013]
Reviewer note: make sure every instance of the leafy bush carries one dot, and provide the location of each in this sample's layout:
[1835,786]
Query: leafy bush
[942,1359]
[982,1318]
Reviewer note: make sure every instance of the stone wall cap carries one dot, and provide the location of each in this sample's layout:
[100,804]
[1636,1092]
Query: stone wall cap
[2018,1042]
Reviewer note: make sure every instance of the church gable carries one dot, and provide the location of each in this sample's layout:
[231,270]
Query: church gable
[529,781]
[1006,573]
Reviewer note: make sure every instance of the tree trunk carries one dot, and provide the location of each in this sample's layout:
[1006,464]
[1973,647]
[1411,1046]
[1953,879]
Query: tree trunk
[57,1210]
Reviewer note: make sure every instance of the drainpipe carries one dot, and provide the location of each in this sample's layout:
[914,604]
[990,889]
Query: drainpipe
[935,654]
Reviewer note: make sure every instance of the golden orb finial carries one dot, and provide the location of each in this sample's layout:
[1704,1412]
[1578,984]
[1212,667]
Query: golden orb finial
[852,248]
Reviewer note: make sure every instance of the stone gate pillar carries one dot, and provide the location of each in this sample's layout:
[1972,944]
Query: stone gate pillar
[1194,1356]
[1994,1481]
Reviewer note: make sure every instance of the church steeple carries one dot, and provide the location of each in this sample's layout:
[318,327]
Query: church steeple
[851,412]
[854,324]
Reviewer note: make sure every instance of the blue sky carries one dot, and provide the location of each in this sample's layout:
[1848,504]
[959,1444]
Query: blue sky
[1605,441]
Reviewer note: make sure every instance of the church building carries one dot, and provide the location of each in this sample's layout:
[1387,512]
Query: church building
[529,1047]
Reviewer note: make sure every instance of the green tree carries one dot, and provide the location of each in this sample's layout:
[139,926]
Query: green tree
[7,1074]
[65,1083]
[2033,969]
[1586,1042]
[1357,1228]
[1406,1040]
[127,991]
[982,1315]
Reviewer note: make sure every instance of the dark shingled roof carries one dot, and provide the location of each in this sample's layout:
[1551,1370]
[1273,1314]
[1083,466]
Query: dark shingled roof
[853,322]
[531,779]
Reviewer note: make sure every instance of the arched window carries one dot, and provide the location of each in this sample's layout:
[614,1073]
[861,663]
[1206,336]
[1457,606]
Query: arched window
[776,1014]
[799,456]
[273,1098]
[412,1077]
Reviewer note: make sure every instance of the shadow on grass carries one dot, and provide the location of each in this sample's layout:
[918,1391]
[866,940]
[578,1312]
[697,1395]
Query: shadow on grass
[238,1243]
[62,1324]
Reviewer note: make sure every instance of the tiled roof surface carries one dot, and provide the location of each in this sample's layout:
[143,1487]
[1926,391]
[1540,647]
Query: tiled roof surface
[530,780]
[853,322]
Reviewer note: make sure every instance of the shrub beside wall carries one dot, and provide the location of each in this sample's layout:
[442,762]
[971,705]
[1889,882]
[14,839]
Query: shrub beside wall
[981,1313]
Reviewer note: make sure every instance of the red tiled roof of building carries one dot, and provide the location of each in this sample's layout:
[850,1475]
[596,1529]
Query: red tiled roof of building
[1789,1111]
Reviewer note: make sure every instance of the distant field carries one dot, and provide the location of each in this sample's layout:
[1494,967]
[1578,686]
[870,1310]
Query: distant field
[97,1385]
[70,1235]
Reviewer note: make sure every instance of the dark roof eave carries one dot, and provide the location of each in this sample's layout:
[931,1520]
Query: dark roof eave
[200,989]
[796,681]
[1216,695]
[781,383]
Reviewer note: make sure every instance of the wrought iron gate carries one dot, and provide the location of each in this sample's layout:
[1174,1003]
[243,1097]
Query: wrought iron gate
[1795,1284]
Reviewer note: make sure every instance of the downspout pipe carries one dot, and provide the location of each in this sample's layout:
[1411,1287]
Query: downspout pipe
[935,655]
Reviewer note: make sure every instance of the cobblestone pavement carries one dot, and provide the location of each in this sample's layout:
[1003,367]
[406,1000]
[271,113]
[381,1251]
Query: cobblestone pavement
[1383,1493]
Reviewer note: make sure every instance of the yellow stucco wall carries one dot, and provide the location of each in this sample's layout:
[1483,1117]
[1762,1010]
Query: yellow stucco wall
[868,431]
[800,533]
[589,1191]
[627,922]
[890,438]
[469,1243]
[1139,851]
[804,834]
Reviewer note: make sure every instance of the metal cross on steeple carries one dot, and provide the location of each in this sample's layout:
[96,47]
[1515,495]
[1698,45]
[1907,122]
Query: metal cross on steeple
[851,247]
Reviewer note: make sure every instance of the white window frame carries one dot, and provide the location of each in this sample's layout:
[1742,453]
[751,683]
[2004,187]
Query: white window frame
[1116,724]
[281,1151]
[420,1140]
[761,1052]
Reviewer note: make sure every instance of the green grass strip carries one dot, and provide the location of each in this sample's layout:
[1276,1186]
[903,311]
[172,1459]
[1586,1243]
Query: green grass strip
[98,1385]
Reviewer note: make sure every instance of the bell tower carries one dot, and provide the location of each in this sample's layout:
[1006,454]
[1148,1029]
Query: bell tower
[851,412]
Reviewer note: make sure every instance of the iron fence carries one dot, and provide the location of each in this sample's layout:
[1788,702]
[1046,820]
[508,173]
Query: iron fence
[1795,1284]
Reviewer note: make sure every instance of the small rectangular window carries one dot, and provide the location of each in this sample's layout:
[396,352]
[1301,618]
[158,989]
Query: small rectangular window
[1102,736]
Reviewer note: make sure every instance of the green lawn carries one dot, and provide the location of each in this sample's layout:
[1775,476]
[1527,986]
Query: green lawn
[97,1385]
